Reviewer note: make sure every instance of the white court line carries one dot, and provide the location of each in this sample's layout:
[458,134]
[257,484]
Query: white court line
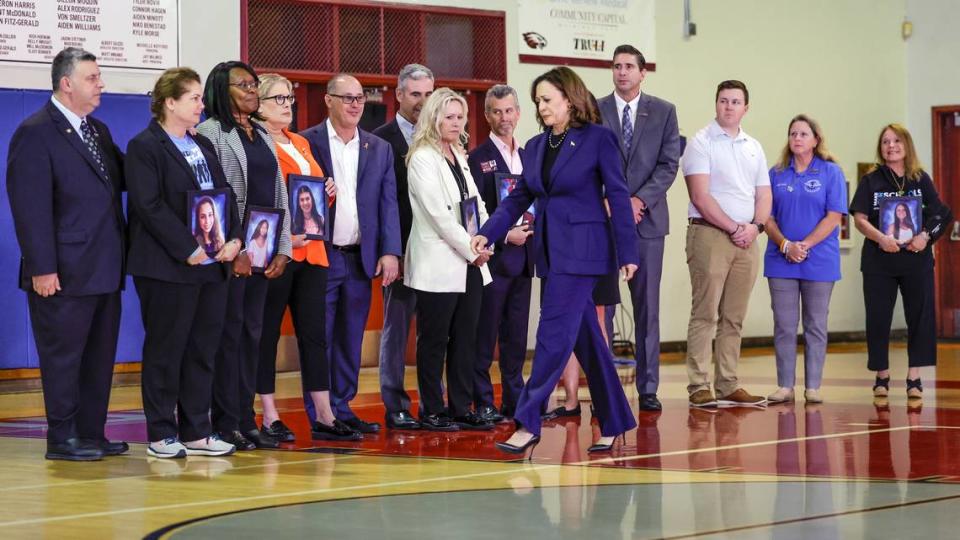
[199,459]
[428,480]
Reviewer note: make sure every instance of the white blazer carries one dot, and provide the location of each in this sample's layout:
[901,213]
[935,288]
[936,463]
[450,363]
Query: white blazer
[438,249]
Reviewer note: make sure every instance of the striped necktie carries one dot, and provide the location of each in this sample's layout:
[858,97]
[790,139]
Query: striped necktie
[90,138]
[627,124]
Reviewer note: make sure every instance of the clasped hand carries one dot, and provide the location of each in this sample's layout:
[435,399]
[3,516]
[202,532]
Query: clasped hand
[479,246]
[797,252]
[744,236]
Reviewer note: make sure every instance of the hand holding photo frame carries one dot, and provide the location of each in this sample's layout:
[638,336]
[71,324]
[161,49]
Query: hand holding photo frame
[260,234]
[901,218]
[308,206]
[470,215]
[505,184]
[208,218]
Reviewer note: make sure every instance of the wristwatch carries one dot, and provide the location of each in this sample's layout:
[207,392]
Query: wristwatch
[760,227]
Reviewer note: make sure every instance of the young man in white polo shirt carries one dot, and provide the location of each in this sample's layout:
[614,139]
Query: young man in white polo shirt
[730,198]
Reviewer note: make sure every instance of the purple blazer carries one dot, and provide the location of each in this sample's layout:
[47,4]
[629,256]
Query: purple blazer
[572,230]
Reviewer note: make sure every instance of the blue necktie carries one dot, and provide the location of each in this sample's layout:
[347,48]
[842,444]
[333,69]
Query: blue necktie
[92,144]
[627,124]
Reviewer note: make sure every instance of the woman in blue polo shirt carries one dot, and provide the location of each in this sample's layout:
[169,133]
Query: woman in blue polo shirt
[802,261]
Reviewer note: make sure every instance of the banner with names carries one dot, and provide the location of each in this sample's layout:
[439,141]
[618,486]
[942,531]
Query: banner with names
[133,34]
[584,32]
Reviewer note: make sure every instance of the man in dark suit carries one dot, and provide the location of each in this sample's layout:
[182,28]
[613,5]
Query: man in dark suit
[414,86]
[505,309]
[650,147]
[64,180]
[365,237]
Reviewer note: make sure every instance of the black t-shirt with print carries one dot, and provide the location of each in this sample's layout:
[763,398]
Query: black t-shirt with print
[879,184]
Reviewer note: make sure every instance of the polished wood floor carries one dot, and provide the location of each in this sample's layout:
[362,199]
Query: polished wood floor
[851,467]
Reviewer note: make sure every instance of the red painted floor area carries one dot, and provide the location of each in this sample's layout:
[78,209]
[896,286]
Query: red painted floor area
[836,440]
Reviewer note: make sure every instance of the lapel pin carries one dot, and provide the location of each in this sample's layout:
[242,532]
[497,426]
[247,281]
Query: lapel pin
[366,145]
[69,130]
[572,143]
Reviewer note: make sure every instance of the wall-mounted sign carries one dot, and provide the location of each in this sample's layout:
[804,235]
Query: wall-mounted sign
[135,34]
[584,32]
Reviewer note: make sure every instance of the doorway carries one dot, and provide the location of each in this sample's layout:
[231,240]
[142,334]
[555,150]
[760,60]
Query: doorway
[946,177]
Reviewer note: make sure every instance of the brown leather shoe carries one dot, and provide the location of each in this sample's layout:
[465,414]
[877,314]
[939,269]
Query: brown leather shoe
[702,398]
[741,398]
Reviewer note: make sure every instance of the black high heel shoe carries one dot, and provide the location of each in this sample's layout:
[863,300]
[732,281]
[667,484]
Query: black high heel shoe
[606,447]
[881,387]
[514,449]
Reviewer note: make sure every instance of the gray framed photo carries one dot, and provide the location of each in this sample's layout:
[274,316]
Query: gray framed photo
[261,235]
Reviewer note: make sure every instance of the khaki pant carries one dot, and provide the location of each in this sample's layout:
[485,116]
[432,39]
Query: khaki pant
[722,277]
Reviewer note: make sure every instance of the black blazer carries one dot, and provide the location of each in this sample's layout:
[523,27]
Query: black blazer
[160,237]
[67,214]
[392,134]
[508,259]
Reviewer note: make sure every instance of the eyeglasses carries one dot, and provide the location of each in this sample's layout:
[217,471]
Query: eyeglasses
[349,100]
[246,86]
[281,99]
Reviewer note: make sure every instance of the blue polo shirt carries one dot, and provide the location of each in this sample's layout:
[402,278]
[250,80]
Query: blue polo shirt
[800,201]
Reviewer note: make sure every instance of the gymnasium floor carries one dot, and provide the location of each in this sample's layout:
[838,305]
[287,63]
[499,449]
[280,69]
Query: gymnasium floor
[851,467]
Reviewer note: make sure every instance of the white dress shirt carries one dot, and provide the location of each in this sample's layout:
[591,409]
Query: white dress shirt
[346,159]
[406,128]
[510,155]
[736,166]
[74,120]
[633,108]
[292,151]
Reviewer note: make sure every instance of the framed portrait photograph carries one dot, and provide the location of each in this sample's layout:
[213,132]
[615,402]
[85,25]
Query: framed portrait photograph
[470,215]
[901,218]
[308,206]
[260,235]
[505,184]
[208,217]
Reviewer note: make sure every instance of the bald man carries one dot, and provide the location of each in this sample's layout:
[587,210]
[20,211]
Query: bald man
[365,239]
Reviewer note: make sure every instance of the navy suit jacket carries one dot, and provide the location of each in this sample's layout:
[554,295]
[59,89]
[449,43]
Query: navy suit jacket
[68,216]
[161,240]
[651,161]
[572,227]
[376,194]
[391,133]
[508,260]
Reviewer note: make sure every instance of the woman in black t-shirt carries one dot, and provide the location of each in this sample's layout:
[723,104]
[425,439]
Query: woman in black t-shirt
[889,264]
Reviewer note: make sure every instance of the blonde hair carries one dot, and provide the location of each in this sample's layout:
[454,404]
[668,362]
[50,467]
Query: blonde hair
[427,133]
[269,80]
[820,150]
[911,163]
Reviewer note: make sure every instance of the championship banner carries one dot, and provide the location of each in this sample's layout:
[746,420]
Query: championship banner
[584,32]
[134,34]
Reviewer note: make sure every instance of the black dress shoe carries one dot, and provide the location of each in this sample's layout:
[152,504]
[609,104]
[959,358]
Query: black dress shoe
[490,414]
[600,448]
[363,427]
[472,422]
[73,450]
[561,412]
[512,449]
[336,432]
[402,420]
[435,422]
[261,440]
[108,448]
[649,402]
[237,439]
[279,431]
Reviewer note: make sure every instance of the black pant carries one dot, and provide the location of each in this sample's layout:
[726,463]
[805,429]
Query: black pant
[182,327]
[304,287]
[447,326]
[76,339]
[879,298]
[235,372]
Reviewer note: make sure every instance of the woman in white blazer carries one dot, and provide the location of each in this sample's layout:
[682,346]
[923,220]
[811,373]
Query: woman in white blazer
[441,265]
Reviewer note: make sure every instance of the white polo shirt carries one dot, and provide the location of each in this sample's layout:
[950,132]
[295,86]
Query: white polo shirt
[736,165]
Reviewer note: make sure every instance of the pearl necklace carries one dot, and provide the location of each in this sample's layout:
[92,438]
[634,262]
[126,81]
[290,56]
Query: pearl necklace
[550,139]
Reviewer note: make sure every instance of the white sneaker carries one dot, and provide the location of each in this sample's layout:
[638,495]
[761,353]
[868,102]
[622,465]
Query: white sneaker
[210,446]
[782,395]
[167,448]
[812,395]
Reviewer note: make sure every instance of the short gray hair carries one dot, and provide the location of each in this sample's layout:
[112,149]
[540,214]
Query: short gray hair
[500,91]
[415,72]
[65,61]
[337,79]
